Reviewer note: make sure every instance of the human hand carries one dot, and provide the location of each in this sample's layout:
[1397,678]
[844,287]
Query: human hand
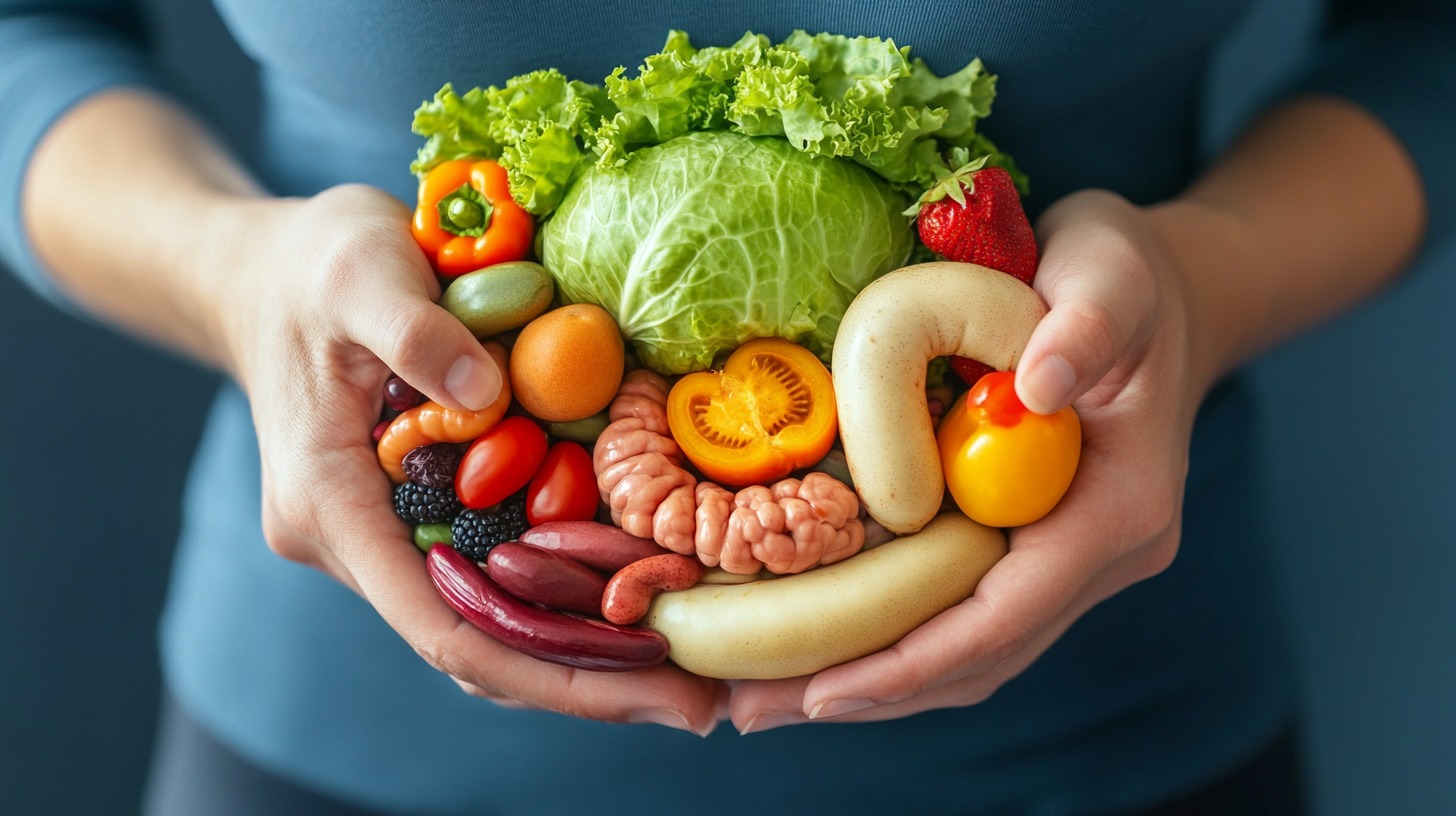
[324,298]
[1116,343]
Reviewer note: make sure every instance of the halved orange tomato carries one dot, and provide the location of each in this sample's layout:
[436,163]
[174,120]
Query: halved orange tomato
[769,412]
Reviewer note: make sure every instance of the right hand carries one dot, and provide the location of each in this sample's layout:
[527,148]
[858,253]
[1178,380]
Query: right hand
[324,298]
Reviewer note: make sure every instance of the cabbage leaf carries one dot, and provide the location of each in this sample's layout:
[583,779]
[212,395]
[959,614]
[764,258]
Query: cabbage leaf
[713,238]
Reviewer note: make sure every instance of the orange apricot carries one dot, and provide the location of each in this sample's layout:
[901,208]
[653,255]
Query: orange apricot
[567,364]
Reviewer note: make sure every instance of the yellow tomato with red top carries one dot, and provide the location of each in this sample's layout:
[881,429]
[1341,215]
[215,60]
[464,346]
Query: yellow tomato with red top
[1005,465]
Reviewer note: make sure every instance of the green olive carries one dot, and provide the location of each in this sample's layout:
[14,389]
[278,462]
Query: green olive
[584,431]
[499,298]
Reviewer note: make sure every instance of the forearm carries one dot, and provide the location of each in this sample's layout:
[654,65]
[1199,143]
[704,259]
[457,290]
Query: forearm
[133,206]
[1316,208]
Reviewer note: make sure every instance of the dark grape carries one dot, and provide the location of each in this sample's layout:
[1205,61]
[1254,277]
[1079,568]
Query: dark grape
[400,395]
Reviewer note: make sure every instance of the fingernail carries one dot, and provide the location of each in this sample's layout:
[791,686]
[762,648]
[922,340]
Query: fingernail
[472,383]
[1048,385]
[769,720]
[667,717]
[834,708]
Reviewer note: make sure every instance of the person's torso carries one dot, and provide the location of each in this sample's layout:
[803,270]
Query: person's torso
[303,677]
[1100,94]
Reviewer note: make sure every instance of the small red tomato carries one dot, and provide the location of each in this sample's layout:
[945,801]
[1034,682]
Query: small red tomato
[500,462]
[565,488]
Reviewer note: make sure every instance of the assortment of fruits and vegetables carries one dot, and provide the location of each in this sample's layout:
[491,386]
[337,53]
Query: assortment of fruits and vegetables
[716,439]
[430,423]
[788,526]
[929,310]
[555,637]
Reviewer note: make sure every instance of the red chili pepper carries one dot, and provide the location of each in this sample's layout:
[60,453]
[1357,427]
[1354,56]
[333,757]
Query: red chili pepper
[466,219]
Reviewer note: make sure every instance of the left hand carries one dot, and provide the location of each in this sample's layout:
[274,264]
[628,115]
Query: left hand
[1116,344]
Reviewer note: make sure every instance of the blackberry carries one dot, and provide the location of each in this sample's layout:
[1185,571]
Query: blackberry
[422,504]
[432,465]
[477,531]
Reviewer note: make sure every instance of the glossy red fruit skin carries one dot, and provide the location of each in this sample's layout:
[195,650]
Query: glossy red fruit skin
[500,462]
[604,547]
[564,488]
[970,371]
[990,229]
[400,395]
[540,633]
[550,579]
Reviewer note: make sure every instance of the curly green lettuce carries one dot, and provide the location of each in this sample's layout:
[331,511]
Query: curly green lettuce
[860,98]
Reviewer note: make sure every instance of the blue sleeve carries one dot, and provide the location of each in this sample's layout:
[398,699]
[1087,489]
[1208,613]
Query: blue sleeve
[56,54]
[1397,59]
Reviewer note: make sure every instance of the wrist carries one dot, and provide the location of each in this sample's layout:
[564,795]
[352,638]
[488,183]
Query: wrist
[1224,304]
[134,210]
[216,272]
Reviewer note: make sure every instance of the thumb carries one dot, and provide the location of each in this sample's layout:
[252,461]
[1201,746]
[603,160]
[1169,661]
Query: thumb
[423,343]
[1099,288]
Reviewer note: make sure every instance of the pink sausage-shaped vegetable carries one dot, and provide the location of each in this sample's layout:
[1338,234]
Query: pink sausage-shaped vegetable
[545,635]
[788,527]
[550,579]
[604,547]
[631,590]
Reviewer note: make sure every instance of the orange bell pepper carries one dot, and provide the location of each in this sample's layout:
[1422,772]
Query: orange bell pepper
[769,412]
[466,219]
[1006,466]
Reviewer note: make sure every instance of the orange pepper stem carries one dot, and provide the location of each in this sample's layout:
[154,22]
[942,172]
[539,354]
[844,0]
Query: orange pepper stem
[465,212]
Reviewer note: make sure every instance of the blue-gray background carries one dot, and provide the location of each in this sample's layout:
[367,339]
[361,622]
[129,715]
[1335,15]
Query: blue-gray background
[97,432]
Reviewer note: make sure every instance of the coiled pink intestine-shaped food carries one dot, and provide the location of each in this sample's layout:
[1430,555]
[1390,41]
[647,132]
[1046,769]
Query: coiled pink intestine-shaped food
[787,527]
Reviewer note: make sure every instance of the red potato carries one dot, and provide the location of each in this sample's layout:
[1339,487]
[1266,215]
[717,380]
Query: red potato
[604,547]
[550,579]
[631,590]
[545,635]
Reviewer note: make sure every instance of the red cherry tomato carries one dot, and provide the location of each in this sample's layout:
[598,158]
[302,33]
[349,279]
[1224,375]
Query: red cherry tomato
[565,488]
[500,462]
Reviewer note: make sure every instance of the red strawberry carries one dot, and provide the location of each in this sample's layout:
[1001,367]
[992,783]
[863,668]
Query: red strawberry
[975,216]
[969,370]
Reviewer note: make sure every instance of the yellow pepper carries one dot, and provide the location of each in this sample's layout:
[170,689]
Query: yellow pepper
[1004,465]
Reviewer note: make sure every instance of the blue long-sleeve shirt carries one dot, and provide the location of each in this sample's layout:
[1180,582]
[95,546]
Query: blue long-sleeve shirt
[1163,687]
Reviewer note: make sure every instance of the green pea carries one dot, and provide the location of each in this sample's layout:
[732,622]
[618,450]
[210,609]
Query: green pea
[428,535]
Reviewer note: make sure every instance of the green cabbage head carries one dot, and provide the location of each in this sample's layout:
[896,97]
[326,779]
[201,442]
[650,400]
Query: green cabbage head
[712,238]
